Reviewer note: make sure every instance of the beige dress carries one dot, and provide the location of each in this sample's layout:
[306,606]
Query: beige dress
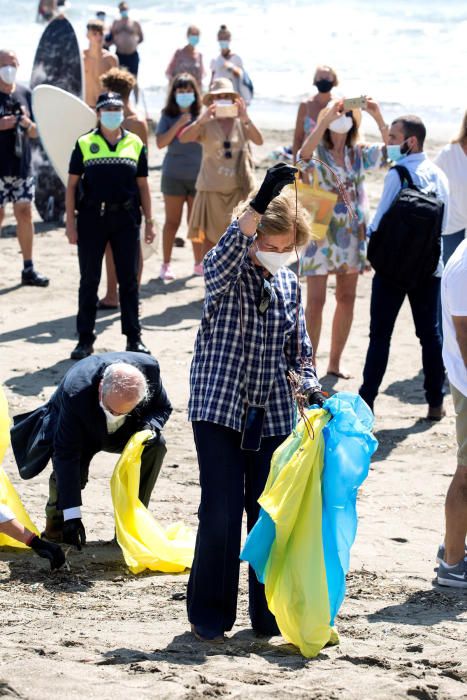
[222,182]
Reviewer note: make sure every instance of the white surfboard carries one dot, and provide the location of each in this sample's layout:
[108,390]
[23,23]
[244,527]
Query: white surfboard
[61,119]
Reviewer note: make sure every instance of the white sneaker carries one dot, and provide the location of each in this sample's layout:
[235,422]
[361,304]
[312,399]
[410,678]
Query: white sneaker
[166,273]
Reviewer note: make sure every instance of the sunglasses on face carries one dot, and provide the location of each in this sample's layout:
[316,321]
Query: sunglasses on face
[227,149]
[266,296]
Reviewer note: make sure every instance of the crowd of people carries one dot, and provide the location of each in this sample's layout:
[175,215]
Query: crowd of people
[254,327]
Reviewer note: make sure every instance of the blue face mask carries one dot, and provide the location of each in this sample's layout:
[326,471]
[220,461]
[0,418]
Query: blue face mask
[185,99]
[193,39]
[124,14]
[111,120]
[394,152]
[224,44]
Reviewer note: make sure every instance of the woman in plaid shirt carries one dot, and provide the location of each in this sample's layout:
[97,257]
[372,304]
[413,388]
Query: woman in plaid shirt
[246,345]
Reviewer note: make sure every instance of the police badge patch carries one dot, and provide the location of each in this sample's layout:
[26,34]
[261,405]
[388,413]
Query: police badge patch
[94,148]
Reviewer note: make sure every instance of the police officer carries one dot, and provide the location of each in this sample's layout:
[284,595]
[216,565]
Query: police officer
[108,185]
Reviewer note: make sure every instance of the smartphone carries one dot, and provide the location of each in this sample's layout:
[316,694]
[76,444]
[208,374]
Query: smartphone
[226,109]
[354,103]
[253,427]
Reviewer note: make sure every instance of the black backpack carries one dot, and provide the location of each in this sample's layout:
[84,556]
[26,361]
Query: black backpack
[406,246]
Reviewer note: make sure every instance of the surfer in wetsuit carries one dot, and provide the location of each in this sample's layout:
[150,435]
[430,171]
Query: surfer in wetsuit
[126,34]
[16,182]
[96,61]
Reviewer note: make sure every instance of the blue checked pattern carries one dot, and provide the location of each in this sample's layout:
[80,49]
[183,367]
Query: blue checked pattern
[218,376]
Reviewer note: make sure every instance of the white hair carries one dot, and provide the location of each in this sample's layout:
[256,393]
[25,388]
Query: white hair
[126,380]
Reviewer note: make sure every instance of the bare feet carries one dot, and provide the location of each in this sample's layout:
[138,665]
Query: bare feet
[340,374]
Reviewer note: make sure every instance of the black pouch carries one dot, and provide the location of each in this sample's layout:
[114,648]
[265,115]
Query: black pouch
[253,427]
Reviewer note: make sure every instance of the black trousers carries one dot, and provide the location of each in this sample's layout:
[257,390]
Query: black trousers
[386,302]
[151,463]
[121,230]
[231,480]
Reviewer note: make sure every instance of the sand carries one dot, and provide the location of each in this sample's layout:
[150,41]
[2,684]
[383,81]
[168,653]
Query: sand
[96,631]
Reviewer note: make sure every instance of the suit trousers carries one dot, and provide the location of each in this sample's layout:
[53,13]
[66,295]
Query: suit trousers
[231,480]
[151,463]
[386,302]
[121,230]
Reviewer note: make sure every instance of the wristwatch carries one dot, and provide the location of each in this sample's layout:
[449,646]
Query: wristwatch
[149,221]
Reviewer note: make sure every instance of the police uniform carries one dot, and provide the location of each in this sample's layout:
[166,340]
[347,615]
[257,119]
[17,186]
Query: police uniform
[108,212]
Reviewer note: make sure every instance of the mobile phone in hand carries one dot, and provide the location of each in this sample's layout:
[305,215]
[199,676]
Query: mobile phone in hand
[354,103]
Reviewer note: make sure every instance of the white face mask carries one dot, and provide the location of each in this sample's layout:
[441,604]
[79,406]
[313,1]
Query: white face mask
[8,74]
[109,417]
[272,261]
[341,125]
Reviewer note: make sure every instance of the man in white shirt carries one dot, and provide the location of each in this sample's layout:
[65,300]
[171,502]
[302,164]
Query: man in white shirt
[452,555]
[405,146]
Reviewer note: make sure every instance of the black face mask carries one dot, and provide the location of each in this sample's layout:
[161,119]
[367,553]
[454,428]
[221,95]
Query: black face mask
[324,85]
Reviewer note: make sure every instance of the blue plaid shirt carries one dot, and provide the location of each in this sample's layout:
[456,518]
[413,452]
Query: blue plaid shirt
[218,371]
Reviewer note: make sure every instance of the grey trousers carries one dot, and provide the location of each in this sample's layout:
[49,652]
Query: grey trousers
[151,463]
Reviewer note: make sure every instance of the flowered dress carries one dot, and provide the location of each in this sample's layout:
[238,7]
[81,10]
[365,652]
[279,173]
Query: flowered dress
[343,249]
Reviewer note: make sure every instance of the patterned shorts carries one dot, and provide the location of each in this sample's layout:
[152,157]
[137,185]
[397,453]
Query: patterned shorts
[16,189]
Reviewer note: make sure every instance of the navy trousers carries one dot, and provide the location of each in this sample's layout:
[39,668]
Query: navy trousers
[386,301]
[231,480]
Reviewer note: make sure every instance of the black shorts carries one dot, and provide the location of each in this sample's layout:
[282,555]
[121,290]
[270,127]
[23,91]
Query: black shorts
[172,186]
[130,61]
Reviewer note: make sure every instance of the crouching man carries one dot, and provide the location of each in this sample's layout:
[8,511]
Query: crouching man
[99,404]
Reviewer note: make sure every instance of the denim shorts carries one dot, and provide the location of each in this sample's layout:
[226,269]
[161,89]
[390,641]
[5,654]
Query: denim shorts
[174,187]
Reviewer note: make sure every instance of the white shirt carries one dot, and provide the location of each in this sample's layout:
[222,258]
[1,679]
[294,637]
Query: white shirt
[454,303]
[453,161]
[5,514]
[220,71]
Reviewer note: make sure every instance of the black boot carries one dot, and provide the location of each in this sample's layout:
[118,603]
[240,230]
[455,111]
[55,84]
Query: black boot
[137,345]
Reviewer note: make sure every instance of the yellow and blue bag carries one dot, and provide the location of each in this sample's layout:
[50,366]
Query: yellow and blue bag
[8,495]
[300,545]
[144,543]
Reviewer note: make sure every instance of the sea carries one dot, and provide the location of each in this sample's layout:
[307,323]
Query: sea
[409,55]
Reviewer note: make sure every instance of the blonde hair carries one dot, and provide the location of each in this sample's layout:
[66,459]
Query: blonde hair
[328,69]
[462,138]
[279,217]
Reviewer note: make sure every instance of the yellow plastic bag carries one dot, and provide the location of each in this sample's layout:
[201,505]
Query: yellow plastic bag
[8,495]
[144,543]
[319,203]
[292,498]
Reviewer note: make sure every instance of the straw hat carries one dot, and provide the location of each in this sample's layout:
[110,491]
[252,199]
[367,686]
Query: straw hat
[221,86]
[356,113]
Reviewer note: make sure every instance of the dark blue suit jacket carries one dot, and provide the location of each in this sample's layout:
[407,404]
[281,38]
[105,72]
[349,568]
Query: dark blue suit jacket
[71,428]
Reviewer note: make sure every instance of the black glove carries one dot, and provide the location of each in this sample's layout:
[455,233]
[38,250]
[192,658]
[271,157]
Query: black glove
[275,179]
[48,550]
[315,396]
[154,438]
[74,532]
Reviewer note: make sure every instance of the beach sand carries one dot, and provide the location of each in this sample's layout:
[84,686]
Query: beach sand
[96,631]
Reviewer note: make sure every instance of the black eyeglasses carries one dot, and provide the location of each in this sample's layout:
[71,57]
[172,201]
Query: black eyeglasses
[266,296]
[227,149]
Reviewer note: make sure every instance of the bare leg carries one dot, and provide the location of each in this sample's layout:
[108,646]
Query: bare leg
[197,247]
[346,286]
[2,216]
[456,517]
[24,228]
[206,246]
[111,295]
[315,300]
[173,217]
